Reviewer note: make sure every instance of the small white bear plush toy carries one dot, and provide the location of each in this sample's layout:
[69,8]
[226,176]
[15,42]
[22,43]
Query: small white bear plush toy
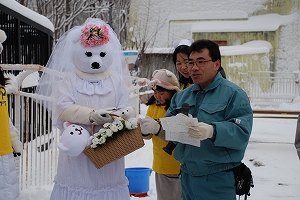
[126,113]
[74,139]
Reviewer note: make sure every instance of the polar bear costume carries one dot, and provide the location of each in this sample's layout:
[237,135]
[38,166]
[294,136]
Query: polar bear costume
[95,79]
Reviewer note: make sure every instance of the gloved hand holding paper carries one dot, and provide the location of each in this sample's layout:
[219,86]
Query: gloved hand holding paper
[201,131]
[177,127]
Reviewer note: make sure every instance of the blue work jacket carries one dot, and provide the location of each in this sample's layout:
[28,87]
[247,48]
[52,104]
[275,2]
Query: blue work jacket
[225,106]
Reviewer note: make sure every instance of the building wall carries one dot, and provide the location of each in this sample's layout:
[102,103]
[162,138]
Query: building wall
[173,19]
[282,7]
[237,67]
[237,38]
[177,17]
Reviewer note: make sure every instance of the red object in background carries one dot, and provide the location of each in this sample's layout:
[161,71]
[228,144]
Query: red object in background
[143,194]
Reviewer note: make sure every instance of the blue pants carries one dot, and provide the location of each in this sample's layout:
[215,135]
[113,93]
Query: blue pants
[209,187]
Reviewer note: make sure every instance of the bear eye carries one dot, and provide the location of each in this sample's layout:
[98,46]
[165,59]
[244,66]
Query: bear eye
[88,54]
[102,54]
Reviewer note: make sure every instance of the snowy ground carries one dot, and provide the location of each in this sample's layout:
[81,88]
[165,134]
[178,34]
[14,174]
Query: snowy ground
[271,155]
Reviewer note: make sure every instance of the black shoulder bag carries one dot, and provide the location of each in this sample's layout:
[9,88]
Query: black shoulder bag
[243,180]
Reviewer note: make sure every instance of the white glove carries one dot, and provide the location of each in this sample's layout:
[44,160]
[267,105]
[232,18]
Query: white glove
[15,141]
[143,82]
[101,116]
[201,131]
[149,125]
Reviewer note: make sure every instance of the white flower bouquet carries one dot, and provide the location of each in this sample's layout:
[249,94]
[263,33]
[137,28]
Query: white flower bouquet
[111,131]
[115,140]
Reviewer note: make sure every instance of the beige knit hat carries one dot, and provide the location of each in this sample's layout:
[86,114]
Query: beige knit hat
[165,79]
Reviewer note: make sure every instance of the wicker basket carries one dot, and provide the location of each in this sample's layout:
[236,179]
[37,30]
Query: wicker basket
[125,143]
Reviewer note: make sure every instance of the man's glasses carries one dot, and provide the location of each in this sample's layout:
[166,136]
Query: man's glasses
[199,63]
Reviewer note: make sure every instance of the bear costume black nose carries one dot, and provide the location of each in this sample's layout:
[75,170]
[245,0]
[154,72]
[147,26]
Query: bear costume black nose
[95,65]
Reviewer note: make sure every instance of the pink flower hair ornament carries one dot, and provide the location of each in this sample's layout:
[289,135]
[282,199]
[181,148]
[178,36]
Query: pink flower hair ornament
[93,35]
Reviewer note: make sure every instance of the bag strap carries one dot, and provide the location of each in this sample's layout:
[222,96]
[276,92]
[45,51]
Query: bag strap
[237,171]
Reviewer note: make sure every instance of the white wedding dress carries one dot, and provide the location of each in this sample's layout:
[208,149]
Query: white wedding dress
[77,178]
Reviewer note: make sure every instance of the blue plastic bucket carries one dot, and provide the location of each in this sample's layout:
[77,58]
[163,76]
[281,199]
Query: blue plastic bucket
[138,178]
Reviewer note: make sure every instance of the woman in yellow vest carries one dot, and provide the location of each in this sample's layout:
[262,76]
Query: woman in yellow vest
[166,168]
[9,186]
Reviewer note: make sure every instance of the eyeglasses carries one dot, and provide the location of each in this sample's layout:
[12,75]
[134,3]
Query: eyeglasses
[199,63]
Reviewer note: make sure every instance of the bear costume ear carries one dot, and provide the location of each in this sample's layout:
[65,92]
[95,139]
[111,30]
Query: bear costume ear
[74,36]
[66,124]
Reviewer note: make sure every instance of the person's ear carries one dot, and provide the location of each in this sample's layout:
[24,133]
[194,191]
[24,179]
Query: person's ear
[217,64]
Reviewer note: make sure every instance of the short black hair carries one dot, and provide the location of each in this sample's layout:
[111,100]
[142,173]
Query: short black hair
[213,48]
[180,49]
[152,99]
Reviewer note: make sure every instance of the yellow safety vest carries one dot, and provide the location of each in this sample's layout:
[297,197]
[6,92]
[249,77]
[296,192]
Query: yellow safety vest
[5,140]
[163,163]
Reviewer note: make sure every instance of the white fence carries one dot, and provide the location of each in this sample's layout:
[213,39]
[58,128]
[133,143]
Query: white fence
[272,88]
[38,162]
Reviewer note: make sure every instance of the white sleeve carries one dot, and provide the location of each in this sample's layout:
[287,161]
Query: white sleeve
[12,127]
[15,138]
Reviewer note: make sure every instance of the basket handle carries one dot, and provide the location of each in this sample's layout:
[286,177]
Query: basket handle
[93,126]
[93,130]
[114,115]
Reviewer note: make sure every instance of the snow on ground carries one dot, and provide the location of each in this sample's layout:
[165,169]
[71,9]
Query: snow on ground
[271,156]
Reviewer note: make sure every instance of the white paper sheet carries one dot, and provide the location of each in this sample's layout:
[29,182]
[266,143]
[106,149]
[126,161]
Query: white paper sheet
[176,129]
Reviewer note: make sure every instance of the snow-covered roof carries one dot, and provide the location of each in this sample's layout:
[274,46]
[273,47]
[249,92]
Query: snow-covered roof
[205,15]
[159,50]
[252,47]
[30,14]
[269,22]
[258,43]
[242,50]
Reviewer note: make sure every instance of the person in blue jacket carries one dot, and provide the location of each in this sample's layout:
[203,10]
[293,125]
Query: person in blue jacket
[224,126]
